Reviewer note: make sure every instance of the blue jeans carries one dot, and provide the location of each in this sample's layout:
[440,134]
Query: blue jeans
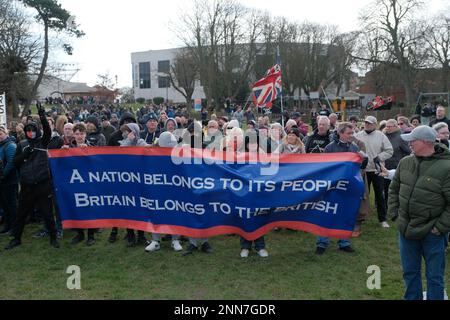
[323,242]
[259,244]
[432,249]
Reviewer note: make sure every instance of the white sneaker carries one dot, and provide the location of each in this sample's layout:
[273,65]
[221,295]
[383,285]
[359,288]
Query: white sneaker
[244,253]
[384,224]
[153,246]
[176,245]
[263,253]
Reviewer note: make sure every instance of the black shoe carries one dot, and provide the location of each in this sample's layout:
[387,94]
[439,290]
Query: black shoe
[320,251]
[190,250]
[54,243]
[77,239]
[12,244]
[112,237]
[90,242]
[4,232]
[206,248]
[347,249]
[40,234]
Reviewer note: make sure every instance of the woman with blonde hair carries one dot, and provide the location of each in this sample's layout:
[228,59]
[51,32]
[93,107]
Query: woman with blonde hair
[60,123]
[292,143]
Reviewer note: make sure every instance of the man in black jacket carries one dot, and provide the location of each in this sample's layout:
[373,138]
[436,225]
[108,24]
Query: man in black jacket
[36,189]
[320,138]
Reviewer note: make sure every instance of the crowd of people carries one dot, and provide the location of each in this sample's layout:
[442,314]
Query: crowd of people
[26,184]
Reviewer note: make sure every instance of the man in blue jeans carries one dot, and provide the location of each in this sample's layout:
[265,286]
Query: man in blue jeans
[343,142]
[419,200]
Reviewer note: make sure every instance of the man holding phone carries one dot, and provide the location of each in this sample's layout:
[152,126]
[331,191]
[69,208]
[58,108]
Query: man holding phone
[378,149]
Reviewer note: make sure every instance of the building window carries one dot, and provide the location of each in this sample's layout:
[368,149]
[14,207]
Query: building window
[163,82]
[144,75]
[164,66]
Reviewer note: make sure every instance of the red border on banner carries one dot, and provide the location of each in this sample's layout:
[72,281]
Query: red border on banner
[207,154]
[205,233]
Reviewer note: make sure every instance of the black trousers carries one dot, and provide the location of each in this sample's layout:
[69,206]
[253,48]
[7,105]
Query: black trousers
[8,202]
[387,184]
[130,233]
[38,195]
[378,187]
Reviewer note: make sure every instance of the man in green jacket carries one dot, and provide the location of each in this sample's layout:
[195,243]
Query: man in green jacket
[419,200]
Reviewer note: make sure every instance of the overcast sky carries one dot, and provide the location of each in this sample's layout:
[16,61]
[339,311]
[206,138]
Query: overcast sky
[115,29]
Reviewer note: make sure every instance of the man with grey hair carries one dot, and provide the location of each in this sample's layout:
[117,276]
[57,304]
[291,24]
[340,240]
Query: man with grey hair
[443,133]
[320,138]
[419,200]
[440,116]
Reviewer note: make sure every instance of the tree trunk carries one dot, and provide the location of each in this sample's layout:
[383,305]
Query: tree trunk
[41,71]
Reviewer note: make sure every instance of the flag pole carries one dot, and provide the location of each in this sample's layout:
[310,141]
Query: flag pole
[281,95]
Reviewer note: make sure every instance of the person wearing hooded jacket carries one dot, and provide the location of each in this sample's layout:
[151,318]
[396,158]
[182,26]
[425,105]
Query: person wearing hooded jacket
[114,141]
[32,161]
[94,135]
[131,138]
[166,140]
[117,136]
[8,180]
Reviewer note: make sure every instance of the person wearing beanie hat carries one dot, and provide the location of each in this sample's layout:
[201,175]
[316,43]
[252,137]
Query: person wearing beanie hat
[94,136]
[419,197]
[166,140]
[291,143]
[151,132]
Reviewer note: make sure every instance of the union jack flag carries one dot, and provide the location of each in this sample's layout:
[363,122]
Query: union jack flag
[268,88]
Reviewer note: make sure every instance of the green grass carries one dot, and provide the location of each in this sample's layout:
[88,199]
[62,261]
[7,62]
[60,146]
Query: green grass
[292,271]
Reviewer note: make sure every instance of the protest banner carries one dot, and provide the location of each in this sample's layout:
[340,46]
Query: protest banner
[3,120]
[202,193]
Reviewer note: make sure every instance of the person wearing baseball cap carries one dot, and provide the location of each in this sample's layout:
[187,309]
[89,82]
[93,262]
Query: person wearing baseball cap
[378,149]
[419,198]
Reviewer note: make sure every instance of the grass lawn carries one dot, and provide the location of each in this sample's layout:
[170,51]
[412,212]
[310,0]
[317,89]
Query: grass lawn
[292,271]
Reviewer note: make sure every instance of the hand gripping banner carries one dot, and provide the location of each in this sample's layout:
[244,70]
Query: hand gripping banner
[197,193]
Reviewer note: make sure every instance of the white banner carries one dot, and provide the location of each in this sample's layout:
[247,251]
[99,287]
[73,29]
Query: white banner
[3,121]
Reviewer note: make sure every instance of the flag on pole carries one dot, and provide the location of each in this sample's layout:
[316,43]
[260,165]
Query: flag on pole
[268,89]
[3,121]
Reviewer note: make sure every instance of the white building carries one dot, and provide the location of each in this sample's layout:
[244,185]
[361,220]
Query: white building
[150,69]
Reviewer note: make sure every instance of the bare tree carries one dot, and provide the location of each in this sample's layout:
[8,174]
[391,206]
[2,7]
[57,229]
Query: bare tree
[438,40]
[222,36]
[53,18]
[19,52]
[184,74]
[398,40]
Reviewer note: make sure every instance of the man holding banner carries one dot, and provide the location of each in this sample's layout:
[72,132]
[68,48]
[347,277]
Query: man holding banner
[342,143]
